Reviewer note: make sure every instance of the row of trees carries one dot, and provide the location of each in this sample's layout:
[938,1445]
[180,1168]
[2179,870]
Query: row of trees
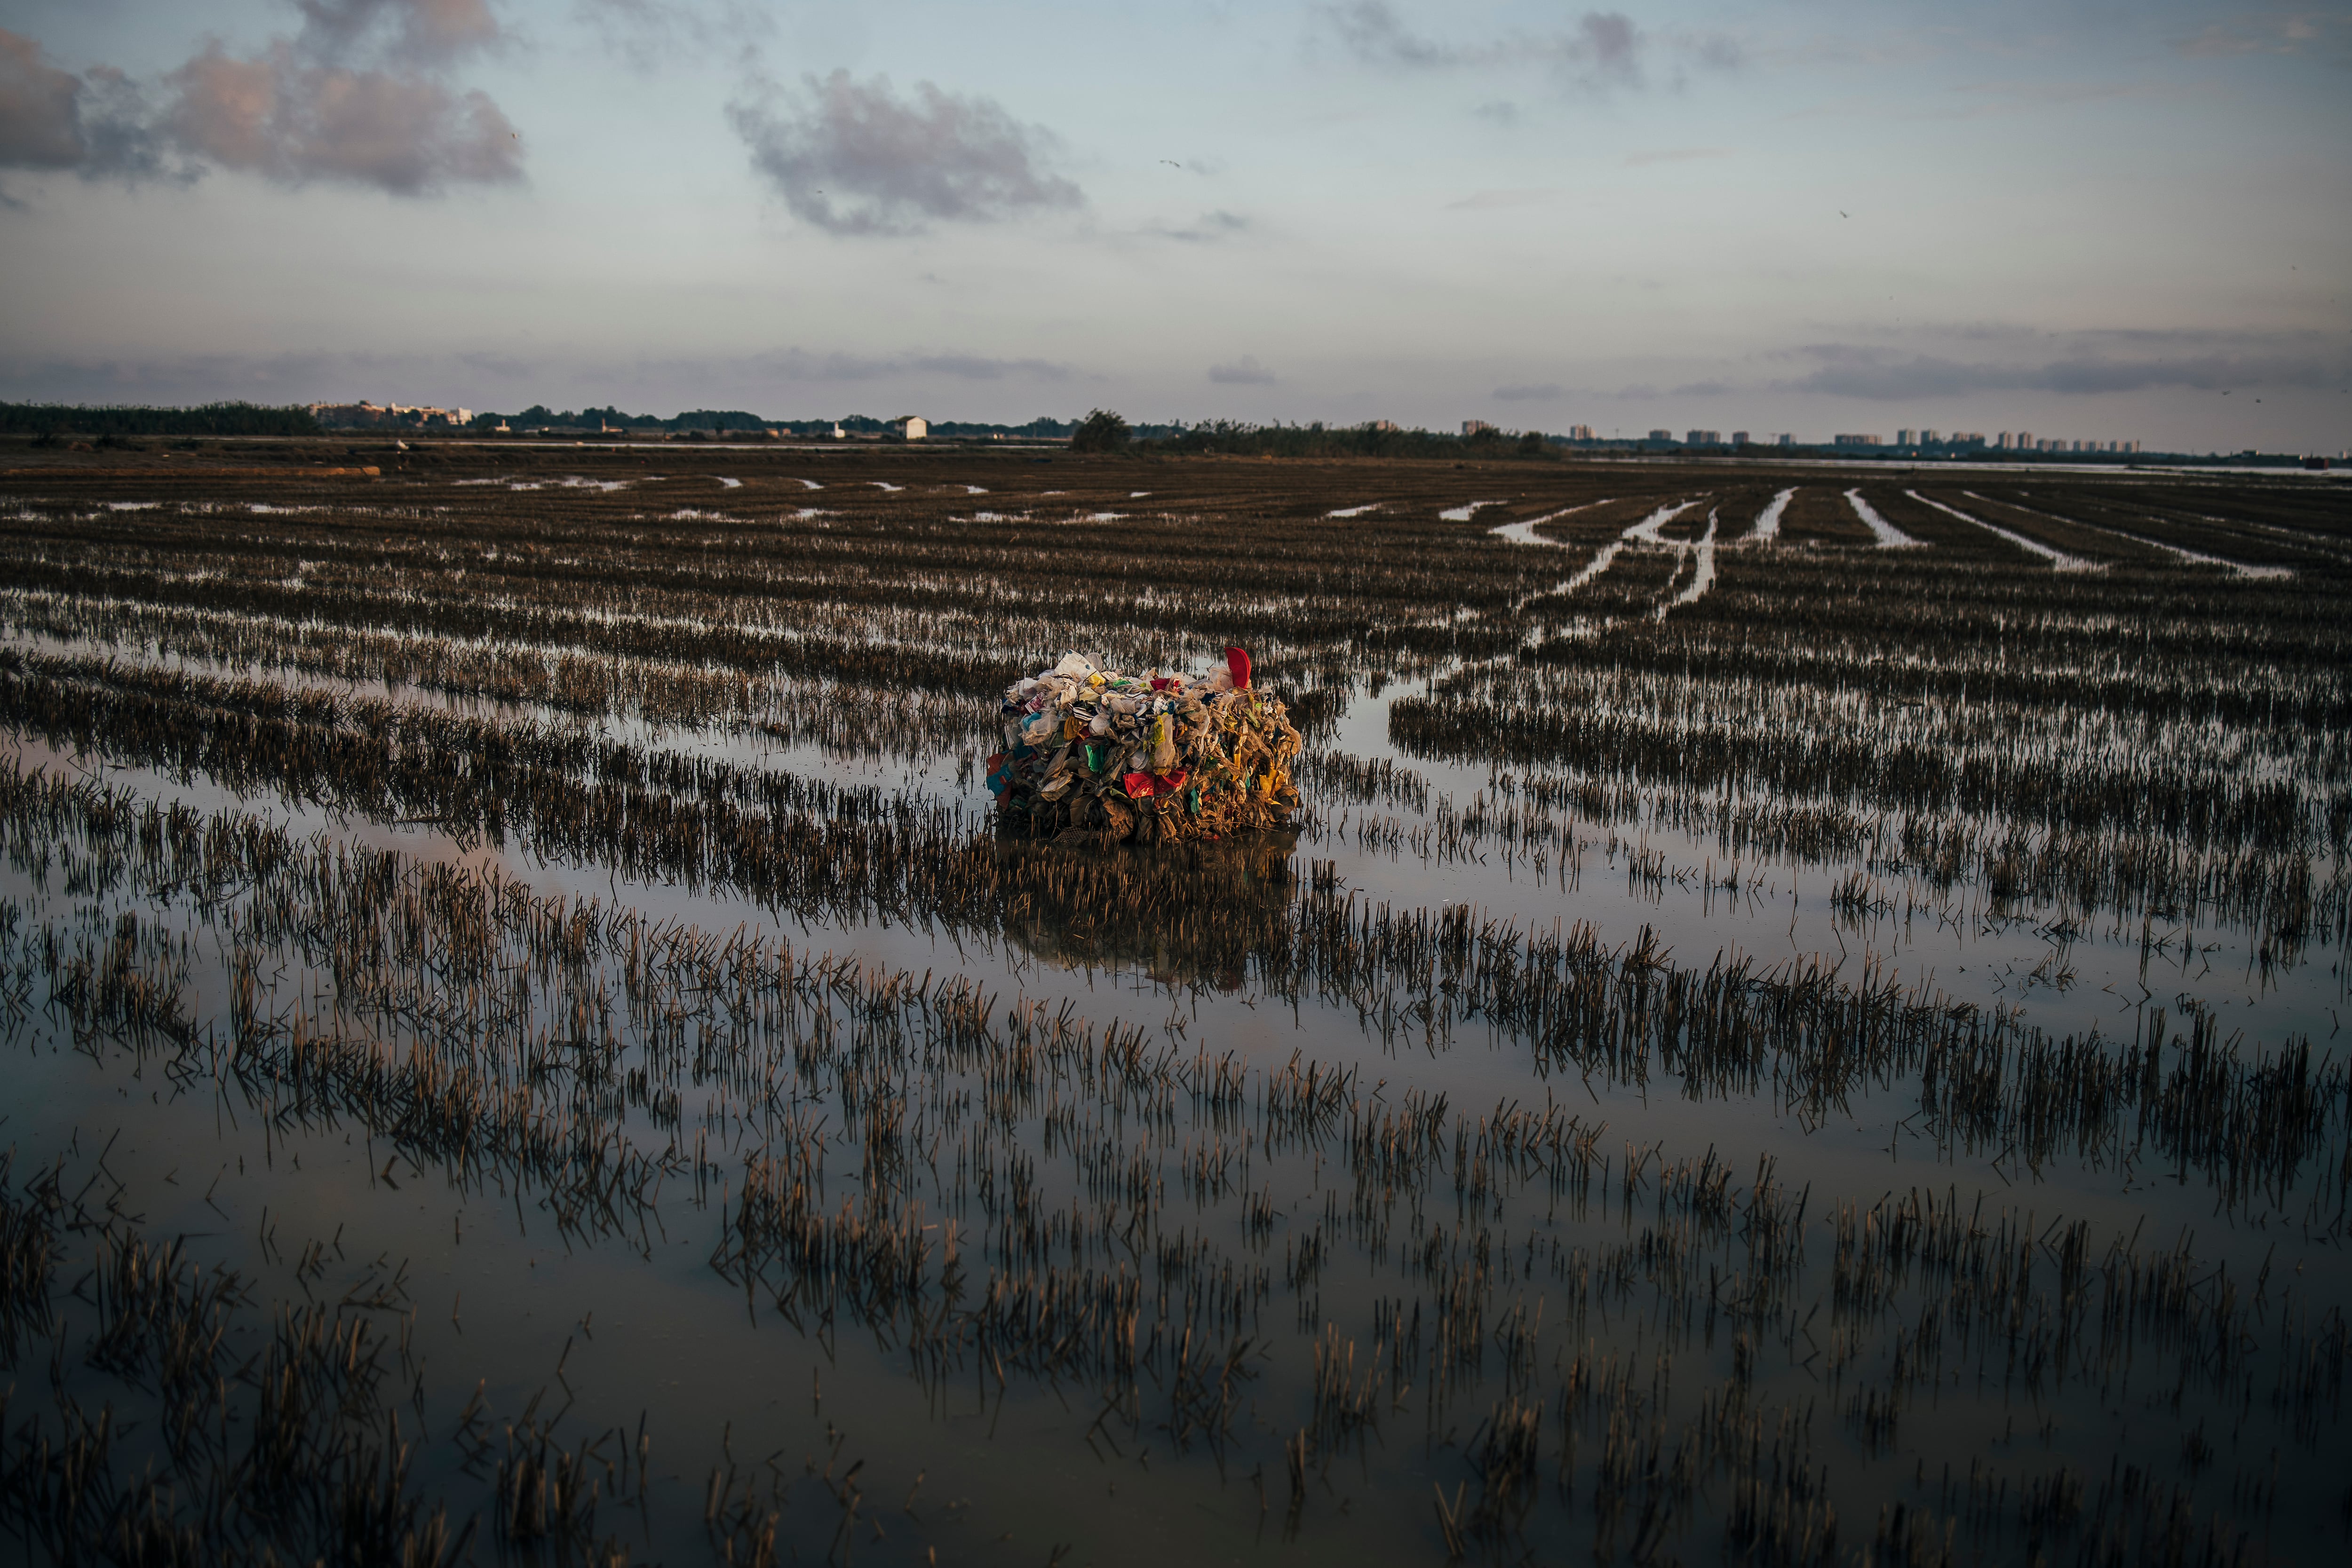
[58,419]
[1103,431]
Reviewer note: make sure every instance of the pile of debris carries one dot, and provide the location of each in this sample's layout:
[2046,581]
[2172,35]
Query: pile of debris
[1095,757]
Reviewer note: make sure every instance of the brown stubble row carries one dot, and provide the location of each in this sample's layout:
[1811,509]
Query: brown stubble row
[2217,847]
[1843,643]
[1838,645]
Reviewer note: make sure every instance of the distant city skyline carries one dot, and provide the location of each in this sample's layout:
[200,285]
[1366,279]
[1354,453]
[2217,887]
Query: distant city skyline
[1815,215]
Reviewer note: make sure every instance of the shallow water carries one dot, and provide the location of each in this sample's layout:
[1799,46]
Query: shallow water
[1655,1325]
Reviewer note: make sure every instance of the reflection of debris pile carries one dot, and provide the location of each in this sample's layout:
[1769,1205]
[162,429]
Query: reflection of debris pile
[1103,758]
[1188,914]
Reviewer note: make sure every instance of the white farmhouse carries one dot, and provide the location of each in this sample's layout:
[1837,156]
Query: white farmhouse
[914,426]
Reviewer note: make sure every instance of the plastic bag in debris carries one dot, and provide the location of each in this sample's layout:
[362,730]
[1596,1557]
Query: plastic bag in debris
[1092,756]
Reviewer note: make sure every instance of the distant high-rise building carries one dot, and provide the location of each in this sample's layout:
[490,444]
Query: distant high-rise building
[1473,426]
[1580,433]
[1784,440]
[2025,441]
[1662,436]
[1927,438]
[2002,441]
[1907,438]
[1739,438]
[1856,441]
[1704,438]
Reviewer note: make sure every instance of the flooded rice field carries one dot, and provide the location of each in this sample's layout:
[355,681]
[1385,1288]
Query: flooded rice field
[1798,1022]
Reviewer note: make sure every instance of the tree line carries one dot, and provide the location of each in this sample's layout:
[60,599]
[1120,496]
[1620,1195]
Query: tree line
[58,419]
[1103,431]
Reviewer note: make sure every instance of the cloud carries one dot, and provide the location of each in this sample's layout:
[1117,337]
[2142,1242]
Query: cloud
[287,118]
[1879,375]
[1606,46]
[361,96]
[854,158]
[203,378]
[1717,51]
[1542,393]
[1502,112]
[800,365]
[980,367]
[421,31]
[1675,155]
[1244,371]
[478,376]
[645,33]
[52,119]
[1208,229]
[40,125]
[2310,32]
[1370,31]
[1599,51]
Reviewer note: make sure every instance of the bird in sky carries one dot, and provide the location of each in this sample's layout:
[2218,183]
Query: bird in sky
[1844,215]
[1171,162]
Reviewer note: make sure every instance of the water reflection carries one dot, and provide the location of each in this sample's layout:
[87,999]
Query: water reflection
[1189,914]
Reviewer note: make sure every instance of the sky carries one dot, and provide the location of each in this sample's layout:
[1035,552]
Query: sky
[2088,220]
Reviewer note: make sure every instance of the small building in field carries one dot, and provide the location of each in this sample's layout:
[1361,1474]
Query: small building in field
[914,426]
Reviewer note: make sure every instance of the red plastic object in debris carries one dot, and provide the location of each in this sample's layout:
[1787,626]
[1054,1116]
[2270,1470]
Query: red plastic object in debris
[1139,786]
[1237,660]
